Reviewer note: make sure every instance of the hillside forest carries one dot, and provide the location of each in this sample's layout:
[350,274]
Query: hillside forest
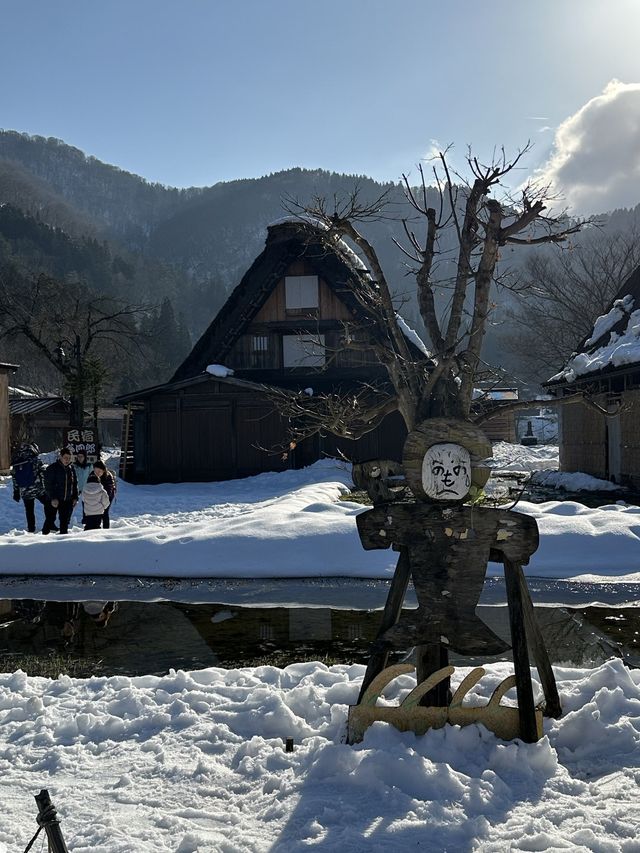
[83,242]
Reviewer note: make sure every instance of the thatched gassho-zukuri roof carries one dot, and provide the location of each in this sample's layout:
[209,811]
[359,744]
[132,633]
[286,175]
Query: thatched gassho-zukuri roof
[287,241]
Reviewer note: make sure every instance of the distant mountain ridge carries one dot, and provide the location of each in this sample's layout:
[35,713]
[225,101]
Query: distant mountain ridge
[211,233]
[193,245]
[117,199]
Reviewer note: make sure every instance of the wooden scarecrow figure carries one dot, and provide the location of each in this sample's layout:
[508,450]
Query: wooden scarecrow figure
[445,543]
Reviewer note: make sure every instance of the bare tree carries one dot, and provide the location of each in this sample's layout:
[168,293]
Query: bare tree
[562,295]
[482,225]
[72,328]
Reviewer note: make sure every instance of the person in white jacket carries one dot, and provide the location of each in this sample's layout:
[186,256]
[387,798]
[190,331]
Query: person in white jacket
[95,501]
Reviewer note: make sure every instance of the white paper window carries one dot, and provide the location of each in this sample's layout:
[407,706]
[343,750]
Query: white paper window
[301,291]
[303,351]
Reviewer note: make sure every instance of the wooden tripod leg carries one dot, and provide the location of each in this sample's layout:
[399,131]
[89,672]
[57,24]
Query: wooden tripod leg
[430,659]
[538,648]
[524,688]
[390,615]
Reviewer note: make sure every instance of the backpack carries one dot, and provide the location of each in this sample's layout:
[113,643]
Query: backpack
[24,468]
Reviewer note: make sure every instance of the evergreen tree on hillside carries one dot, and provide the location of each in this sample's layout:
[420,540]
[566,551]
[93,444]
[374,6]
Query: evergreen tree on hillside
[169,337]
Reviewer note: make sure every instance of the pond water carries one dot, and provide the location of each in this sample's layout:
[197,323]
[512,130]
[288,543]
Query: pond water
[142,637]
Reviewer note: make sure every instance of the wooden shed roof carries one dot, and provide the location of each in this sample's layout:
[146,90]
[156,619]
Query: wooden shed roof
[287,241]
[180,384]
[32,405]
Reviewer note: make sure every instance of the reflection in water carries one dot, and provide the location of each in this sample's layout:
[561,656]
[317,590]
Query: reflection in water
[135,638]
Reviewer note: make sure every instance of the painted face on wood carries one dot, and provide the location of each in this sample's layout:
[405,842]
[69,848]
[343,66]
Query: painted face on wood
[446,472]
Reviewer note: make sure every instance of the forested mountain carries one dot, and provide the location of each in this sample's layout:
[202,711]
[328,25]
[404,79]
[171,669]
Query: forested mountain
[126,205]
[152,243]
[210,235]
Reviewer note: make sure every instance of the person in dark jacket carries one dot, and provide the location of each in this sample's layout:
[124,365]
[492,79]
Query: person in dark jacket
[28,485]
[108,482]
[61,487]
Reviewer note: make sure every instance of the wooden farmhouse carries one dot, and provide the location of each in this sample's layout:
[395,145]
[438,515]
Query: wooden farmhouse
[607,367]
[283,326]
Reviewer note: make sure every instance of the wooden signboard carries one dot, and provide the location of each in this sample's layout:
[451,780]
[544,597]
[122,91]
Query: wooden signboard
[84,438]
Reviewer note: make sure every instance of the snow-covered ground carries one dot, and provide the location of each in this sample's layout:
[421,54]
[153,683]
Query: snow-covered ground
[195,763]
[292,524]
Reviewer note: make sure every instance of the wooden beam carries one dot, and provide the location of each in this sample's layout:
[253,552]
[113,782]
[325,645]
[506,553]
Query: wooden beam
[390,615]
[524,688]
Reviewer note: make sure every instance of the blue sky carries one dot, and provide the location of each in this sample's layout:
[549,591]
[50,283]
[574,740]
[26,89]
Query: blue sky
[198,91]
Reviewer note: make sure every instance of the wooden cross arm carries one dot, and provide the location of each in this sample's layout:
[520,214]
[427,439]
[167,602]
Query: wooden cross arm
[371,528]
[517,538]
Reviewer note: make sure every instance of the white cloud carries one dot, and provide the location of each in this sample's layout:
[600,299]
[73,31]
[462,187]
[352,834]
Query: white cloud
[595,162]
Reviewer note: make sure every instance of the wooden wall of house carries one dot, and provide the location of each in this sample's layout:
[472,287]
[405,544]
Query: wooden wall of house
[630,438]
[5,434]
[384,442]
[273,319]
[274,309]
[197,436]
[200,435]
[583,443]
[501,428]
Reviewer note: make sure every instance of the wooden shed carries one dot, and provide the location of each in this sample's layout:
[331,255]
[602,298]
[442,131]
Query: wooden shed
[5,424]
[502,426]
[209,428]
[283,326]
[39,419]
[606,369]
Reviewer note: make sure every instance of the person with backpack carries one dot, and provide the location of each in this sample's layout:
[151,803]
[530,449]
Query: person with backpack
[108,481]
[95,502]
[61,486]
[28,485]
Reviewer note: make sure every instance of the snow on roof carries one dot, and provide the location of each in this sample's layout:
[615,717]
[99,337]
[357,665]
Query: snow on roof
[607,321]
[495,393]
[411,335]
[21,392]
[354,259]
[219,370]
[622,347]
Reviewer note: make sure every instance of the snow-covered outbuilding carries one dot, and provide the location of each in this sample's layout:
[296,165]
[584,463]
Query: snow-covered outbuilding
[607,368]
[285,326]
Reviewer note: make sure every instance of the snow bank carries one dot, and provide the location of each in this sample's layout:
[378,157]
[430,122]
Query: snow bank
[195,763]
[573,482]
[286,525]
